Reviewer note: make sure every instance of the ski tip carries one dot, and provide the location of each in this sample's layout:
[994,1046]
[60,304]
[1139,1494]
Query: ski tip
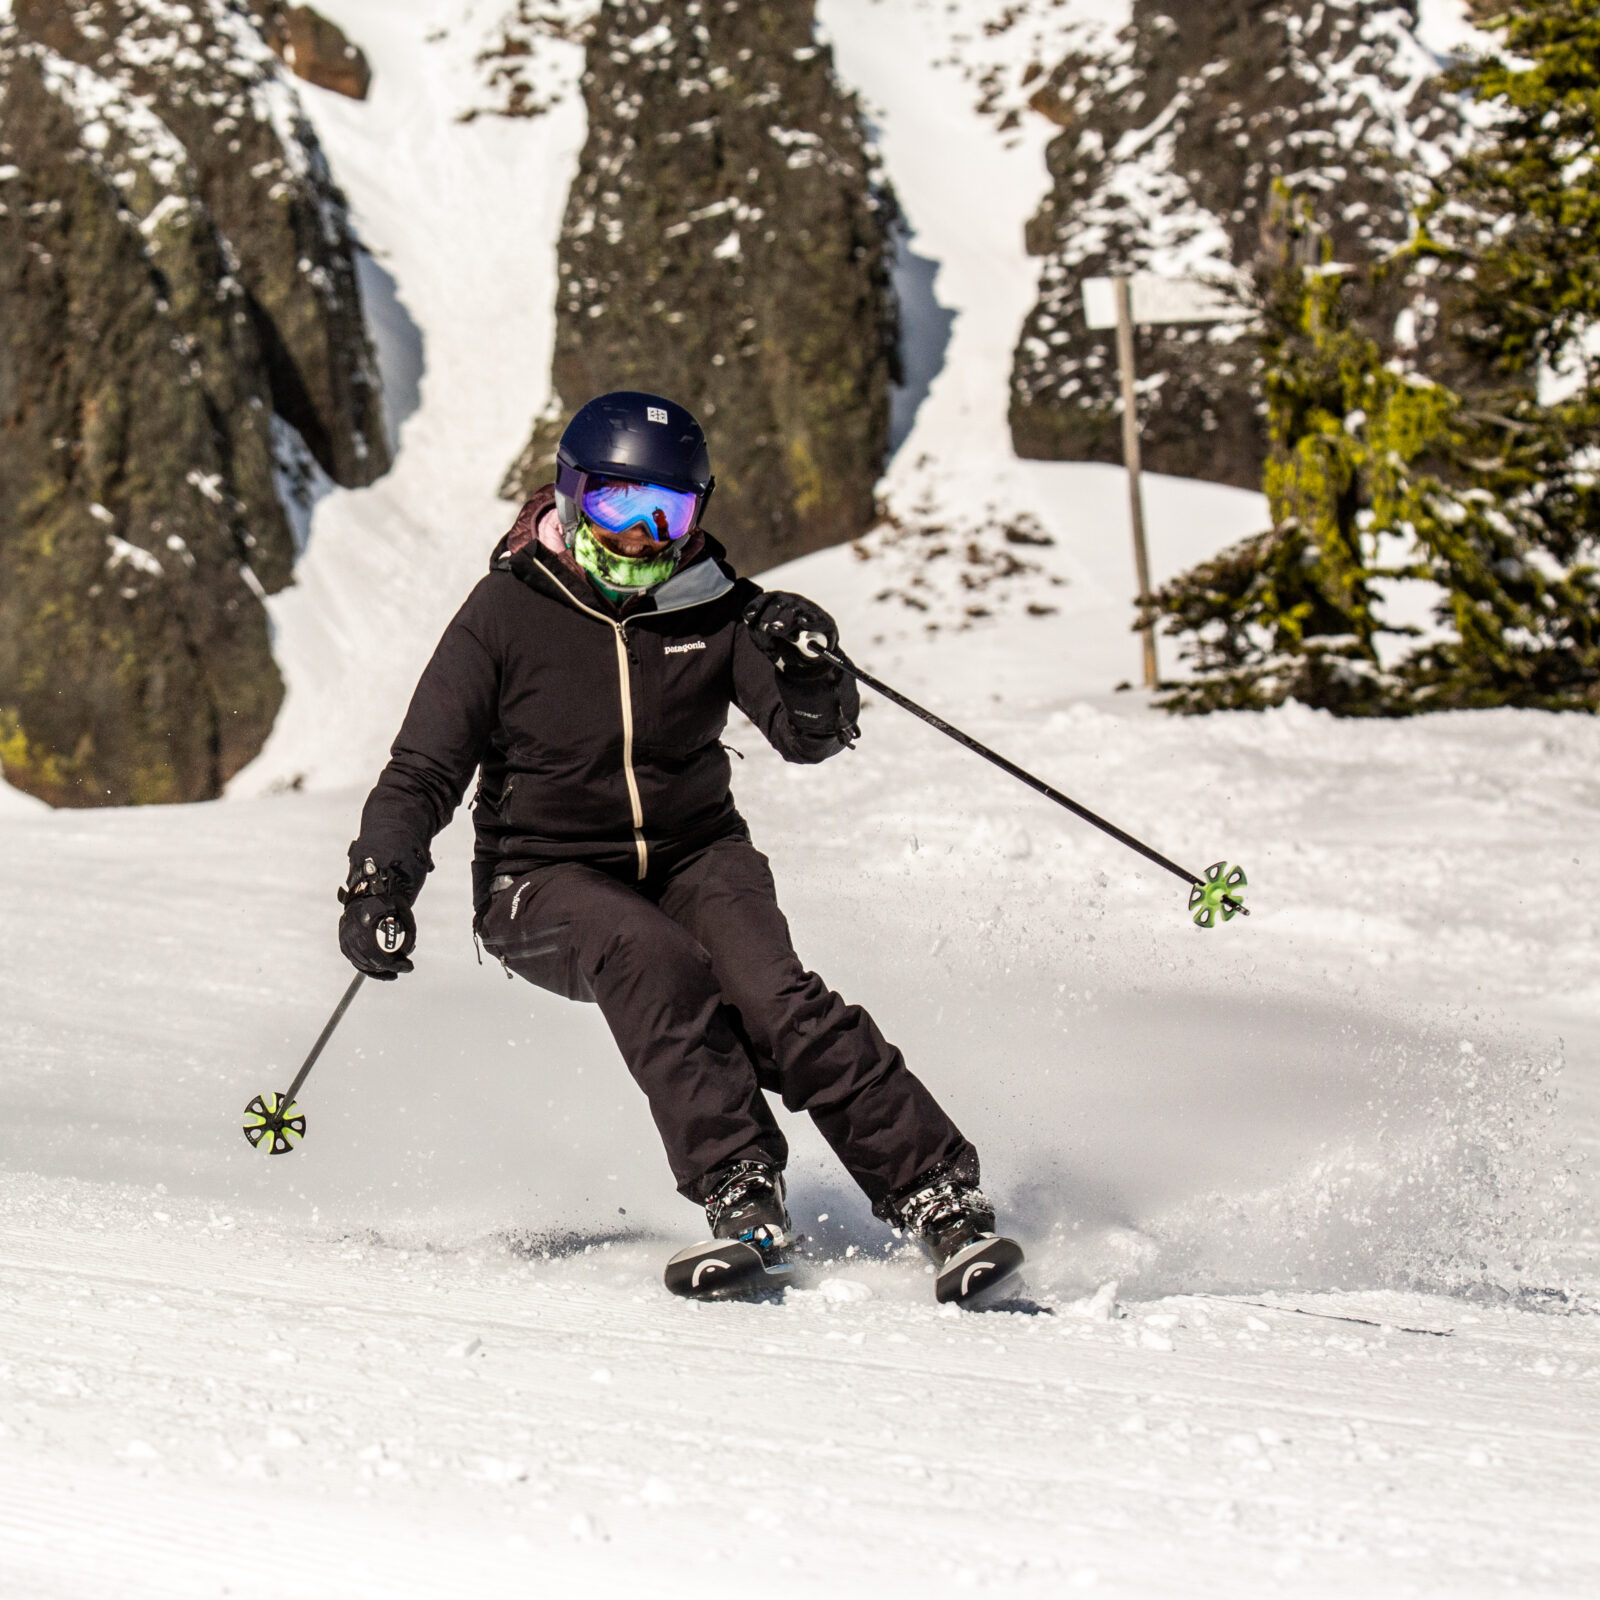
[981,1275]
[725,1269]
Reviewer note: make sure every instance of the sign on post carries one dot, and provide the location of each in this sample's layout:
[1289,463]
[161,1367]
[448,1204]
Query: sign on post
[1157,300]
[1124,303]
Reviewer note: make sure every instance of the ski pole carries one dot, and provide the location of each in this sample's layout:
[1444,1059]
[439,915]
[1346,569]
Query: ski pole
[1210,895]
[276,1114]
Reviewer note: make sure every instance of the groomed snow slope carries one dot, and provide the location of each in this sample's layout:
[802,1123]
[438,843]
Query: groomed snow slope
[429,1354]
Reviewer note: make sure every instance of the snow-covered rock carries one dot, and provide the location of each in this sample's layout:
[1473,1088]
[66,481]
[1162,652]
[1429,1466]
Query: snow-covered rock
[726,243]
[183,336]
[1173,136]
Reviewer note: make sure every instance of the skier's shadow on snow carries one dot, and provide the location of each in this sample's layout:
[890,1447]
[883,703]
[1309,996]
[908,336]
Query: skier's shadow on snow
[561,1244]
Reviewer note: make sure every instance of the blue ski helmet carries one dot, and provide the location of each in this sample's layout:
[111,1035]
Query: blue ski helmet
[634,437]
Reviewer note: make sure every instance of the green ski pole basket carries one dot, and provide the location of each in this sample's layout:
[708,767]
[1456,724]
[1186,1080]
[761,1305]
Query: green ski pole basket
[1218,895]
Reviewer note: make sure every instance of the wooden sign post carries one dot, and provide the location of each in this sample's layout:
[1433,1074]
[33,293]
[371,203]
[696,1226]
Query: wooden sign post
[1124,303]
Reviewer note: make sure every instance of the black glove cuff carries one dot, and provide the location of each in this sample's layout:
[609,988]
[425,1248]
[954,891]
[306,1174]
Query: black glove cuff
[390,883]
[816,706]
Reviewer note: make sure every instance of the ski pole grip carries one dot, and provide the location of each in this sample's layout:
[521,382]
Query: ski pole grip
[392,938]
[811,645]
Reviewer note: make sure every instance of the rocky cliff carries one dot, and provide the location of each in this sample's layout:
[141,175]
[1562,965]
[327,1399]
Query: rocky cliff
[183,327]
[314,48]
[726,243]
[1171,144]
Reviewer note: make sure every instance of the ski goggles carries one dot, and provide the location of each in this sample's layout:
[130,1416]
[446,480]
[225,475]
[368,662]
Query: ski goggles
[662,515]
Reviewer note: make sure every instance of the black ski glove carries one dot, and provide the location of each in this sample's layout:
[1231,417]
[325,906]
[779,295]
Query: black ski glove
[780,623]
[376,930]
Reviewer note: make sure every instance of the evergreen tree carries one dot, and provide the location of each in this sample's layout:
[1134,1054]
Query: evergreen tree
[1378,475]
[1515,231]
[1295,613]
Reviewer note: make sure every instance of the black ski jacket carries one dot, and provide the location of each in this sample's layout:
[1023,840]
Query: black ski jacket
[595,729]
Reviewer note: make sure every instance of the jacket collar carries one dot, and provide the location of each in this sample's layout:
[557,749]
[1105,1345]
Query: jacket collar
[706,577]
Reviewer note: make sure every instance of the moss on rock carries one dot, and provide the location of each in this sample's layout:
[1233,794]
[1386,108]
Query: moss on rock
[144,357]
[1169,150]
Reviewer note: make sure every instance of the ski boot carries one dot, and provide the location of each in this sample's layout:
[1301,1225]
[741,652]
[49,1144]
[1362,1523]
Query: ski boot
[954,1224]
[751,1238]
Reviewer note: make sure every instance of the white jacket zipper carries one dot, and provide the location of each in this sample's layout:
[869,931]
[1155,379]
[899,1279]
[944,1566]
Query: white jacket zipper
[626,682]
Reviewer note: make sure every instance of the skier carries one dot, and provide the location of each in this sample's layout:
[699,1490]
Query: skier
[587,680]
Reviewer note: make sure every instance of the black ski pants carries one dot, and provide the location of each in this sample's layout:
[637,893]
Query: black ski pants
[695,973]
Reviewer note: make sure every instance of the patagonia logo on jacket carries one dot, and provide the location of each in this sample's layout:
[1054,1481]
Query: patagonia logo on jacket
[683,649]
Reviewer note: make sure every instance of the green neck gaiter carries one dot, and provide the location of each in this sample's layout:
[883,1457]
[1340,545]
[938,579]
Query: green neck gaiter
[621,576]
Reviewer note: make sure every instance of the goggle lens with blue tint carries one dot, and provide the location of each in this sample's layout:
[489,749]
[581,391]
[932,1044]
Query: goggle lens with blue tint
[662,515]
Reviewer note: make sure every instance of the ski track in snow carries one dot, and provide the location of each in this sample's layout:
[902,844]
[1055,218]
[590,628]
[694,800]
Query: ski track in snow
[352,1418]
[429,1354]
